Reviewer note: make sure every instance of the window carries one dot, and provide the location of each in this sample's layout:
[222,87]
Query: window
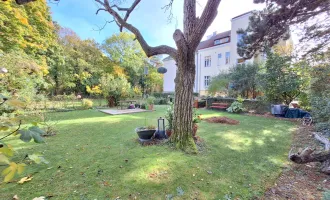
[207,61]
[207,80]
[227,57]
[221,41]
[219,59]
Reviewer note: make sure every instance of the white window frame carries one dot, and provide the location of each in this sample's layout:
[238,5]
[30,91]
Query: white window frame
[221,41]
[207,80]
[207,61]
[219,59]
[227,54]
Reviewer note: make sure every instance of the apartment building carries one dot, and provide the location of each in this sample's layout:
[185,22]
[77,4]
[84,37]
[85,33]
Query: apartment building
[217,53]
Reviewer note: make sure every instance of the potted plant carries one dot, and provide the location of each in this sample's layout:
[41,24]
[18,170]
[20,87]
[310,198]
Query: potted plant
[150,102]
[169,117]
[196,119]
[145,133]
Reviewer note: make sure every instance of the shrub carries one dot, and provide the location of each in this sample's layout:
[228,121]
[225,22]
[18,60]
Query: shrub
[87,104]
[160,101]
[235,107]
[169,116]
[151,100]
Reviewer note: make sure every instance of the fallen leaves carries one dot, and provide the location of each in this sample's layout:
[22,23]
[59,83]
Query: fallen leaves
[25,179]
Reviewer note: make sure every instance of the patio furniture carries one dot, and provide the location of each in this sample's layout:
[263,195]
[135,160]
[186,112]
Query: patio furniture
[220,105]
[125,103]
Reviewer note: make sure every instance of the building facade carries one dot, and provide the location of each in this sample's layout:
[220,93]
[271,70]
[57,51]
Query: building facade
[217,53]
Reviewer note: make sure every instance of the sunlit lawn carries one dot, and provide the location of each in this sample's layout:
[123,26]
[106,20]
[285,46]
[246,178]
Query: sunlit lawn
[87,159]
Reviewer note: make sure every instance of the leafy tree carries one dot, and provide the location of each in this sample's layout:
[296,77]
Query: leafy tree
[219,83]
[280,80]
[244,78]
[114,89]
[154,80]
[320,90]
[127,53]
[27,27]
[271,25]
[75,63]
[24,78]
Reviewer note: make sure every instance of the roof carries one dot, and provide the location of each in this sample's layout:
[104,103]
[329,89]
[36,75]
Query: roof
[242,15]
[210,42]
[168,58]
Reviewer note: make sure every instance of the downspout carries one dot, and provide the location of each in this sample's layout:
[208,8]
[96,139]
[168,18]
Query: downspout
[200,68]
[196,86]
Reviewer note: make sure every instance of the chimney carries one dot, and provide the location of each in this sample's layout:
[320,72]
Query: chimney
[213,34]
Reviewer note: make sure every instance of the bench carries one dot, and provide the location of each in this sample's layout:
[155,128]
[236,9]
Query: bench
[220,105]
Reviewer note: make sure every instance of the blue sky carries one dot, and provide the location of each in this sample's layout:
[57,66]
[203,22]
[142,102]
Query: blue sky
[149,17]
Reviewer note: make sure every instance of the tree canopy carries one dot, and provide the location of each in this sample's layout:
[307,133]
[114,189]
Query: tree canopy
[269,26]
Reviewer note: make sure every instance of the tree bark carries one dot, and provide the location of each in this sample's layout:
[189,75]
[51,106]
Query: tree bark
[183,106]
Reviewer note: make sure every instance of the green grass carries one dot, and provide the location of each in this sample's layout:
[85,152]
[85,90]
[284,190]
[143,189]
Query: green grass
[87,159]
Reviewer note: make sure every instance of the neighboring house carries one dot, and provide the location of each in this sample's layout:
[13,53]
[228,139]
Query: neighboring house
[217,53]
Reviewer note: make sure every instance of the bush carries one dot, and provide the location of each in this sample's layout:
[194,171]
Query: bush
[235,107]
[171,94]
[151,100]
[160,101]
[87,104]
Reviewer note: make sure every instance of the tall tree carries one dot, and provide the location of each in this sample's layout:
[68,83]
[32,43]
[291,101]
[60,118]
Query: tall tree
[27,27]
[186,41]
[269,26]
[127,53]
[280,80]
[245,79]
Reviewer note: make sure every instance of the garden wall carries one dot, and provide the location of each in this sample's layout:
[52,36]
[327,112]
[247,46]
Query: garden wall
[258,106]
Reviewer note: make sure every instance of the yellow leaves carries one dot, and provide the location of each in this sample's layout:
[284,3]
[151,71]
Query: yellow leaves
[119,71]
[94,90]
[25,179]
[7,150]
[4,159]
[15,103]
[10,171]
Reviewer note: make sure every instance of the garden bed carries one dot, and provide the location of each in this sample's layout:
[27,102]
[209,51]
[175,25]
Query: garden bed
[300,181]
[222,120]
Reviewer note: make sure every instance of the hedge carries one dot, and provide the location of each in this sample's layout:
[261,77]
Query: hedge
[249,104]
[166,94]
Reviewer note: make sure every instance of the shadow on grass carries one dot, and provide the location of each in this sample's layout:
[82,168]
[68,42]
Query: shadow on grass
[240,161]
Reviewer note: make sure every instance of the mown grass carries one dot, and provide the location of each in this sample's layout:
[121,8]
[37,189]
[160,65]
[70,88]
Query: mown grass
[87,159]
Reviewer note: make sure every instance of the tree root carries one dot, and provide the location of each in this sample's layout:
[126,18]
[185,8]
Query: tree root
[309,155]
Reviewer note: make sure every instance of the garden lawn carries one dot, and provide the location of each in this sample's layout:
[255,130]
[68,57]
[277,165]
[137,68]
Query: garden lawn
[97,156]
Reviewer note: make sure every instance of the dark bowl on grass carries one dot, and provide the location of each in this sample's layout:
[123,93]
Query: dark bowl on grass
[145,134]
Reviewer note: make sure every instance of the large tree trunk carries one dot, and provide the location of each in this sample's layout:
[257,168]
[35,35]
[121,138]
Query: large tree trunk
[183,106]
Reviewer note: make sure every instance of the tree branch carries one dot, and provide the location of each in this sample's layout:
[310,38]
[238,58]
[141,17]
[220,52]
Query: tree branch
[209,13]
[150,51]
[19,126]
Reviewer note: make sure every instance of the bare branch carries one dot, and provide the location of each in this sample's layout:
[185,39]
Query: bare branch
[209,13]
[136,2]
[150,51]
[101,28]
[169,7]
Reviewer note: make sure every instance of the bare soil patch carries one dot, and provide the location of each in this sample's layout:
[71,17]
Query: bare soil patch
[300,182]
[222,120]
